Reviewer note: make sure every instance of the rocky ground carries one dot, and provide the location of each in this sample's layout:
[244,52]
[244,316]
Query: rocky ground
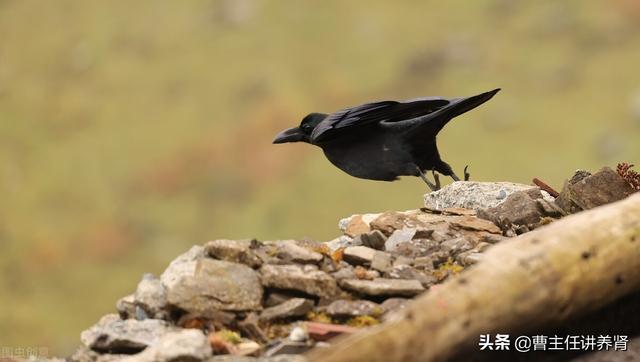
[249,300]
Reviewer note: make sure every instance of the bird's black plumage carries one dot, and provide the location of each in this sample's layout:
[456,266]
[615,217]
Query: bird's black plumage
[384,140]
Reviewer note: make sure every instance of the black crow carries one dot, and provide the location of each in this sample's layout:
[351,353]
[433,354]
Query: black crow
[386,139]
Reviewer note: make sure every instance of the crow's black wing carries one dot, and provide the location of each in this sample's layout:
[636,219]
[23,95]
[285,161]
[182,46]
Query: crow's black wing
[369,113]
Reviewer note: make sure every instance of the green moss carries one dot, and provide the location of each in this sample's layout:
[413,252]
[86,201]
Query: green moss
[320,317]
[362,321]
[229,336]
[447,268]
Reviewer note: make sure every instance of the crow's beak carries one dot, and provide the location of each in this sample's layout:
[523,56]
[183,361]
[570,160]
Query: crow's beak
[289,135]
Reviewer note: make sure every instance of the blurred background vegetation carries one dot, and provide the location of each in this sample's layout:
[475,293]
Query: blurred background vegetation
[131,130]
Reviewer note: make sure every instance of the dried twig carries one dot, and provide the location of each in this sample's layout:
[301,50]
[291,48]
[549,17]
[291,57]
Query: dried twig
[543,186]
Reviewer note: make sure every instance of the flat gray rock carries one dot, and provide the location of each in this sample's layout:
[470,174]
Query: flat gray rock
[304,278]
[115,335]
[215,284]
[381,261]
[353,308]
[359,255]
[344,273]
[472,195]
[410,273]
[236,251]
[342,241]
[383,287]
[182,345]
[85,354]
[398,237]
[290,251]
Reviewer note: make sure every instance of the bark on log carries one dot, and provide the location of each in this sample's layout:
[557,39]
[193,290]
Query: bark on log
[566,269]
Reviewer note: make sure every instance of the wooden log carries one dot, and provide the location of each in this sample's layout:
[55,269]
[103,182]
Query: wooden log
[566,269]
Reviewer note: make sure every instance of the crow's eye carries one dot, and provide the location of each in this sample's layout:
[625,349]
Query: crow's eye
[307,128]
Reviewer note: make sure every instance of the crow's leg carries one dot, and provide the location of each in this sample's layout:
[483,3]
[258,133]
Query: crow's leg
[436,178]
[466,175]
[445,169]
[433,187]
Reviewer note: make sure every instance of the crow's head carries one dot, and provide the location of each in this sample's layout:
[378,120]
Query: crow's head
[301,133]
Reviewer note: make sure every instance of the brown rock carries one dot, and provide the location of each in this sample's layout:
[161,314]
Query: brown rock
[364,273]
[521,211]
[249,327]
[296,307]
[374,239]
[423,233]
[585,192]
[388,222]
[476,224]
[211,319]
[459,211]
[356,226]
[126,307]
[276,297]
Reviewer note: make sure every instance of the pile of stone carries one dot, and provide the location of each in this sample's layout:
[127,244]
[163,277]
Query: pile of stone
[244,300]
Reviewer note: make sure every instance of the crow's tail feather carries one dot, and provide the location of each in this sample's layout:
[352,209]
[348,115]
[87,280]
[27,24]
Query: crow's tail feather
[457,107]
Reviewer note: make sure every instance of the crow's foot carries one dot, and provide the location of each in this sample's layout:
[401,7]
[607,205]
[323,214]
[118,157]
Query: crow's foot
[432,186]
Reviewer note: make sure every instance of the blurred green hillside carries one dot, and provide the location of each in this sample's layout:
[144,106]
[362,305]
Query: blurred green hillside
[130,130]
